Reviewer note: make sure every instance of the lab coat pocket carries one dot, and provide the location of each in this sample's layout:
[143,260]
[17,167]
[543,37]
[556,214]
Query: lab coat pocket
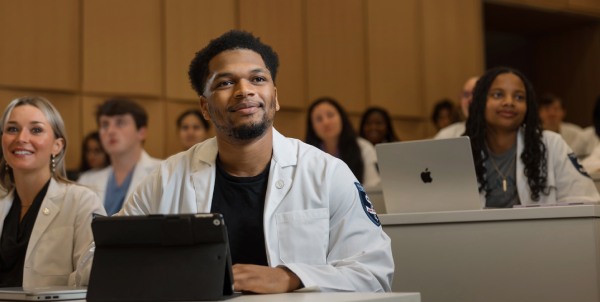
[53,253]
[303,236]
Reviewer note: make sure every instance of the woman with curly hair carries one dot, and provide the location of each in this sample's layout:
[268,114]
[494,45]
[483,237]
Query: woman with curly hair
[515,160]
[376,126]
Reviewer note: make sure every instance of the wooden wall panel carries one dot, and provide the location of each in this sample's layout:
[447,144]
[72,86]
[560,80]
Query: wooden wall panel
[592,6]
[452,48]
[68,107]
[40,44]
[336,58]
[545,4]
[186,33]
[122,43]
[279,24]
[394,56]
[291,123]
[156,137]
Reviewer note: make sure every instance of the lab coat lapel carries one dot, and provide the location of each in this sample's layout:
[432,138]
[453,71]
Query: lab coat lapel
[203,178]
[280,175]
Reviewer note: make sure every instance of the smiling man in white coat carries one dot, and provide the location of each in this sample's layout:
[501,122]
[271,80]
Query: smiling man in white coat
[296,216]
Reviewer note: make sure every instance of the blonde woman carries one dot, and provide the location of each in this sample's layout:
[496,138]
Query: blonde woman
[44,219]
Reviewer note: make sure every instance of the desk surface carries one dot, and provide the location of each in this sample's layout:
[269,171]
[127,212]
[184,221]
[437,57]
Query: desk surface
[331,297]
[325,297]
[544,212]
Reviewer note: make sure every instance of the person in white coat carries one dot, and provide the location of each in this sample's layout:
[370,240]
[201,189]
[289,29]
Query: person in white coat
[296,216]
[45,220]
[329,129]
[552,115]
[517,163]
[123,128]
[466,97]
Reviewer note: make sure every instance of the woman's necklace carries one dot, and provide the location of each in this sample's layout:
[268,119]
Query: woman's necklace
[504,185]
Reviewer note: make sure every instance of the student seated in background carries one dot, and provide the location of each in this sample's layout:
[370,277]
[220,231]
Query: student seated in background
[466,97]
[192,128]
[552,115]
[122,125]
[329,129]
[376,126]
[592,162]
[93,156]
[296,217]
[515,160]
[45,220]
[444,114]
[588,139]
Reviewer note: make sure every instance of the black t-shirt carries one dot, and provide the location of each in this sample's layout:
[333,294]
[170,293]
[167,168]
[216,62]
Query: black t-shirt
[241,200]
[15,238]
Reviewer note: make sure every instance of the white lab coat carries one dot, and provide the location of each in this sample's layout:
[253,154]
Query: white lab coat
[371,178]
[314,221]
[454,130]
[98,179]
[567,183]
[60,236]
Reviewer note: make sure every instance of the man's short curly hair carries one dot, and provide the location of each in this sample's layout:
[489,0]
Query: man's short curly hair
[234,39]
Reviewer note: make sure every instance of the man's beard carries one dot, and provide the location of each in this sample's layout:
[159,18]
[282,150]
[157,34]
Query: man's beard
[251,131]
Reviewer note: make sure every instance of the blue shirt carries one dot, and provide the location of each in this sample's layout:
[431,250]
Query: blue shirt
[115,194]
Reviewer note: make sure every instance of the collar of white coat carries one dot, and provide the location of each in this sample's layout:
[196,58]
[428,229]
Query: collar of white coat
[284,151]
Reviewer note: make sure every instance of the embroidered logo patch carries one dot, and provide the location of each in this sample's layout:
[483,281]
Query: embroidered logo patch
[367,205]
[577,165]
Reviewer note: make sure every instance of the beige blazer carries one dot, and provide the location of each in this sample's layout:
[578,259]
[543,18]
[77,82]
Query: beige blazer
[61,235]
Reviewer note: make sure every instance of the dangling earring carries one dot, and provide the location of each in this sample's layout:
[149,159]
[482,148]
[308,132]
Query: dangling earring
[52,164]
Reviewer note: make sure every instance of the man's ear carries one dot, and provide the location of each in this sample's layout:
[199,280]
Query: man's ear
[204,108]
[276,100]
[142,132]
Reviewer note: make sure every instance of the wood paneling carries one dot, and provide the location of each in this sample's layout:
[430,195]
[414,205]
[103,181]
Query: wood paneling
[336,58]
[156,135]
[291,123]
[68,107]
[189,26]
[39,44]
[586,6]
[122,43]
[452,48]
[394,56]
[279,24]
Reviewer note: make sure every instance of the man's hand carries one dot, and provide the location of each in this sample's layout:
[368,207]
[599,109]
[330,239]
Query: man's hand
[263,279]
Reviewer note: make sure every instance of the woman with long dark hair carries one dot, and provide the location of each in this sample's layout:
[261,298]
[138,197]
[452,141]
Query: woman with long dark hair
[516,162]
[329,129]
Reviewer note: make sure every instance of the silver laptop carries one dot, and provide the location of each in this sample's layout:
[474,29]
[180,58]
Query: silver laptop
[50,293]
[428,176]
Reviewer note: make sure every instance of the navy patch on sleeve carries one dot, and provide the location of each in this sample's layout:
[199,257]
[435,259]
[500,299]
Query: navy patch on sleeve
[367,205]
[577,165]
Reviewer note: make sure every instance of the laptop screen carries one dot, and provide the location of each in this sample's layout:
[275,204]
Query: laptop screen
[160,258]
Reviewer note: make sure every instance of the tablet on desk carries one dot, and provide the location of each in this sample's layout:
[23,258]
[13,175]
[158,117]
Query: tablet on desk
[50,293]
[160,258]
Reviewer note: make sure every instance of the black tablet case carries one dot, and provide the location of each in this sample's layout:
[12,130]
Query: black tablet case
[160,258]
